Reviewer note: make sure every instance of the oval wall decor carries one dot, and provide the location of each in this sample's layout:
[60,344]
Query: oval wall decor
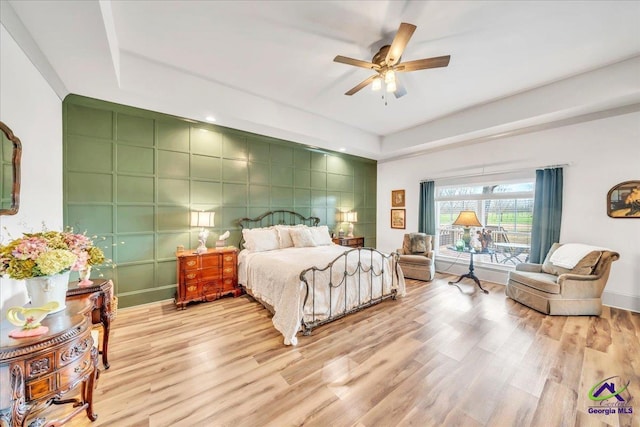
[623,200]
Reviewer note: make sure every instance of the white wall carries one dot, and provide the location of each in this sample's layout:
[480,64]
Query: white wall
[33,112]
[601,154]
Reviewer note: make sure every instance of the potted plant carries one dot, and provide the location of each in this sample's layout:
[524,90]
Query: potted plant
[45,259]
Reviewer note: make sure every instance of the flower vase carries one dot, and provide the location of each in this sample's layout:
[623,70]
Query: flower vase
[45,289]
[84,276]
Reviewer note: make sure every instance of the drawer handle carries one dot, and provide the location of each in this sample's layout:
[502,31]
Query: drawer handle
[82,367]
[191,276]
[228,258]
[192,288]
[191,263]
[228,269]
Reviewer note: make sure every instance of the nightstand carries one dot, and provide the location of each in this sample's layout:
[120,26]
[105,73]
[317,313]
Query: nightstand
[206,276]
[352,242]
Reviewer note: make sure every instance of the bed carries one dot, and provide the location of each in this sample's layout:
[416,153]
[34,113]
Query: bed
[289,264]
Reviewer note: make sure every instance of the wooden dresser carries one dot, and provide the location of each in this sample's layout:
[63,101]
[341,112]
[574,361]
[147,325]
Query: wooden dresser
[352,242]
[38,371]
[207,276]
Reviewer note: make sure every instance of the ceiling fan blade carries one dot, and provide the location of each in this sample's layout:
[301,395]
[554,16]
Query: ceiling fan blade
[400,89]
[356,62]
[423,64]
[399,43]
[361,85]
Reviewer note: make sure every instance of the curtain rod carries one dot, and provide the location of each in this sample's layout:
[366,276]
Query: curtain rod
[483,173]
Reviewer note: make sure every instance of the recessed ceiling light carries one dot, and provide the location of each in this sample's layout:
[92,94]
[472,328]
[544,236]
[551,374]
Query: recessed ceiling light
[210,119]
[342,149]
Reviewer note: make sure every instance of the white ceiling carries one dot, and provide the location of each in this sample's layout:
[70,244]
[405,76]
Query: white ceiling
[267,66]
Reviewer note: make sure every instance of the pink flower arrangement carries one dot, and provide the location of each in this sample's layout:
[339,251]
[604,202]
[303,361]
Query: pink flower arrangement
[47,253]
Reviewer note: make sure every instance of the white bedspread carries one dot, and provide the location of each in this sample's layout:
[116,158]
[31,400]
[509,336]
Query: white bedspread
[274,277]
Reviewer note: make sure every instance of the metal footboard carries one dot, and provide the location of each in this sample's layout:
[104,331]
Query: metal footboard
[315,284]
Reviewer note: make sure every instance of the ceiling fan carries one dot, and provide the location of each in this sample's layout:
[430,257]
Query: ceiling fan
[386,63]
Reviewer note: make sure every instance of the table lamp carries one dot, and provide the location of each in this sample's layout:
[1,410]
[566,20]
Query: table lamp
[467,219]
[350,217]
[202,219]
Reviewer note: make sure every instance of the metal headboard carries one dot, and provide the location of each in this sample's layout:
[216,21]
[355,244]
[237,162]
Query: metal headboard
[278,217]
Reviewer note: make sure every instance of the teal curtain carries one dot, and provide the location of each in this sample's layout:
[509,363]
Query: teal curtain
[547,213]
[427,208]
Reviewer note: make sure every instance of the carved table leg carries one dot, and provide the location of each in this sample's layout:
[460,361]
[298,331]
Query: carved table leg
[106,325]
[90,385]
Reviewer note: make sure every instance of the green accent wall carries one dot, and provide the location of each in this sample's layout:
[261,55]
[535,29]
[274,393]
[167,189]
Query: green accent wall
[132,176]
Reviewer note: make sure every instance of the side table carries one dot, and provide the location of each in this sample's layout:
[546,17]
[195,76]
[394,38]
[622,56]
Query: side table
[36,372]
[352,242]
[103,312]
[470,275]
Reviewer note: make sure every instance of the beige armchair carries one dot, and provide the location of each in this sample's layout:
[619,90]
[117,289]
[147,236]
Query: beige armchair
[554,290]
[416,257]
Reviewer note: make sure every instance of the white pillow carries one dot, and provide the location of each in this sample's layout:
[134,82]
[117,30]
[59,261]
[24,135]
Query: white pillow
[285,236]
[321,235]
[261,239]
[302,237]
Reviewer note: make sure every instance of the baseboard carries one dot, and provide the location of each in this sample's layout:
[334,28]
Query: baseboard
[625,302]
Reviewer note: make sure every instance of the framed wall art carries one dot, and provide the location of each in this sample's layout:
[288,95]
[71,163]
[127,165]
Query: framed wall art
[623,200]
[397,198]
[398,218]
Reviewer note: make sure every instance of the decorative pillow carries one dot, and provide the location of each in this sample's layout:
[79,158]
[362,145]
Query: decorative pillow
[284,236]
[261,239]
[321,235]
[302,237]
[584,267]
[418,242]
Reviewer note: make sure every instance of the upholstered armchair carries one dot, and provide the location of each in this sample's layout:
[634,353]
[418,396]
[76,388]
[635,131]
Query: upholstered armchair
[557,290]
[416,257]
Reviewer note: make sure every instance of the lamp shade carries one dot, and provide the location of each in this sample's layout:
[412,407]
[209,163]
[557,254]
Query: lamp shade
[351,217]
[202,219]
[467,219]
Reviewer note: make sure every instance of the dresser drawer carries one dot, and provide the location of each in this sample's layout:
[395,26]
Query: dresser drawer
[191,276]
[75,350]
[39,366]
[75,370]
[209,261]
[229,271]
[208,274]
[192,291]
[228,284]
[189,263]
[41,387]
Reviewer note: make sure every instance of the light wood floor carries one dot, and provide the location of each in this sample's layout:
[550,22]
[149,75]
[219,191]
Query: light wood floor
[441,356]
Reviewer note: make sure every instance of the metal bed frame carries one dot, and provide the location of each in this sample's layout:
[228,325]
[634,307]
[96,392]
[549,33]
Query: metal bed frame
[309,275]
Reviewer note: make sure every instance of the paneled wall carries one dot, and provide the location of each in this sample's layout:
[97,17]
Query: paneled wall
[132,176]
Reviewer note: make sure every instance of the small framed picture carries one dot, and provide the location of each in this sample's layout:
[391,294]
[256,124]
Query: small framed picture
[623,200]
[397,198]
[397,218]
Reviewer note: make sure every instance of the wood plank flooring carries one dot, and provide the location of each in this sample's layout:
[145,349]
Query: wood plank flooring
[440,356]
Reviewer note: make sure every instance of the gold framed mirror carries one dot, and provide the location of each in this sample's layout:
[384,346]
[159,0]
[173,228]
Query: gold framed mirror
[10,154]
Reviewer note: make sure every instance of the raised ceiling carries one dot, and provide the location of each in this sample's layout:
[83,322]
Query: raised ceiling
[267,66]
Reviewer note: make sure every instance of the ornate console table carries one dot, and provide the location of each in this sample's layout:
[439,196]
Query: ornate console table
[103,313]
[36,372]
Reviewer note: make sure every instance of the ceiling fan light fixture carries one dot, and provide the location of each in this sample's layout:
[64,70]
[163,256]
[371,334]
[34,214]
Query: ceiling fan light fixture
[389,76]
[376,84]
[391,86]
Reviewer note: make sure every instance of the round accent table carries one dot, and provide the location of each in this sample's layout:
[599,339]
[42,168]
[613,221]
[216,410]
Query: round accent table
[36,372]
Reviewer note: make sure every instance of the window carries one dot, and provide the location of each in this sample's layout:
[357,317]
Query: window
[504,206]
